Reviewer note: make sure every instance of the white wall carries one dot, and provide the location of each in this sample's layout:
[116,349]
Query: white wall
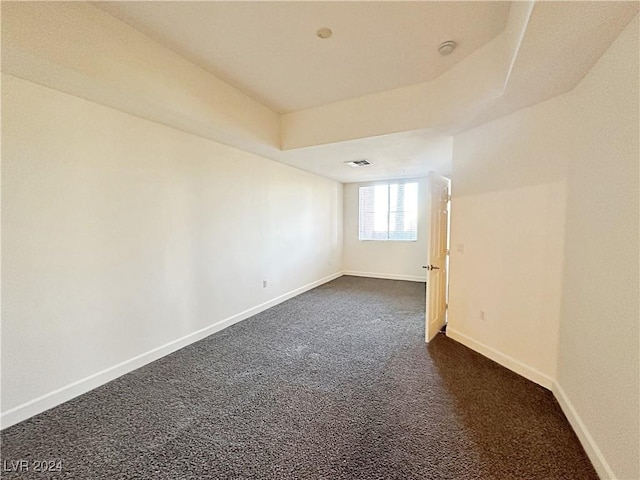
[121,235]
[599,350]
[77,48]
[545,203]
[506,283]
[507,231]
[383,259]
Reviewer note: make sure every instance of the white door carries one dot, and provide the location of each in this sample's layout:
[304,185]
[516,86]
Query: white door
[437,252]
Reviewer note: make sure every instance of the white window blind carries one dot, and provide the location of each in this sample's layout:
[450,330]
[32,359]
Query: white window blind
[389,212]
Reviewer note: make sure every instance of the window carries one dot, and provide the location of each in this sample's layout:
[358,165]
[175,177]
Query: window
[389,212]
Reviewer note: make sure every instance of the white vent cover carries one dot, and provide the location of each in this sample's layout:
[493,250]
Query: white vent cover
[358,163]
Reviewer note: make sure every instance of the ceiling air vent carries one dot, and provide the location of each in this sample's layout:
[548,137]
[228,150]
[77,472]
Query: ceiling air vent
[358,163]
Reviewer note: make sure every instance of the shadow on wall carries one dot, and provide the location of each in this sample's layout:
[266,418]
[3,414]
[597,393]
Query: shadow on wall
[518,427]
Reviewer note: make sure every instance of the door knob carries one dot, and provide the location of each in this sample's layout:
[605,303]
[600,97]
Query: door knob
[430,267]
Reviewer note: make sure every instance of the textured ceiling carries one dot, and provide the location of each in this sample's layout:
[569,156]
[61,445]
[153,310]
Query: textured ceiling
[542,49]
[378,89]
[400,155]
[270,49]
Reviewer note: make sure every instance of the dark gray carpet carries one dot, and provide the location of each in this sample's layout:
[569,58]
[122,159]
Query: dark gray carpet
[336,383]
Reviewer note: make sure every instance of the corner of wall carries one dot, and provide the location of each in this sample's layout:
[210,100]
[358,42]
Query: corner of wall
[588,443]
[501,358]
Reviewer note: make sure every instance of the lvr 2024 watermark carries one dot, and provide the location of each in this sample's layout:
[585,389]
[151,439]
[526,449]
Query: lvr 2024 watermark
[21,466]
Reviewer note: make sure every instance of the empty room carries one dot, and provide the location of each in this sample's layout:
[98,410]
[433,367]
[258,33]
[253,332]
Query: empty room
[320,240]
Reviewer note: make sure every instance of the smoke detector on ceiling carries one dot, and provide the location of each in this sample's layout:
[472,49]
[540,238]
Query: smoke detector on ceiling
[445,48]
[358,163]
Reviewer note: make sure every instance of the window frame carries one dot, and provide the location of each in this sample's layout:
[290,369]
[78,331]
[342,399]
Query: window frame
[388,183]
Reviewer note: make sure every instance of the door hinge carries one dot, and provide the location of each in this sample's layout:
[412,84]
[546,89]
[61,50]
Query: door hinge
[448,198]
[448,251]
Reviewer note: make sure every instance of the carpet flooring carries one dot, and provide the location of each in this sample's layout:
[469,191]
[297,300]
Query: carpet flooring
[336,383]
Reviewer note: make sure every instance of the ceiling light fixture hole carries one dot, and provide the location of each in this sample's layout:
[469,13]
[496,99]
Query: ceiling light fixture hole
[324,33]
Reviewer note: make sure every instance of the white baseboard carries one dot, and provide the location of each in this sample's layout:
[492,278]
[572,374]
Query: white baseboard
[588,443]
[503,359]
[387,276]
[66,393]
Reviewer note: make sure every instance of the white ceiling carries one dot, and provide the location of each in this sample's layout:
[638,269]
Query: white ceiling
[378,89]
[563,40]
[399,155]
[270,50]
